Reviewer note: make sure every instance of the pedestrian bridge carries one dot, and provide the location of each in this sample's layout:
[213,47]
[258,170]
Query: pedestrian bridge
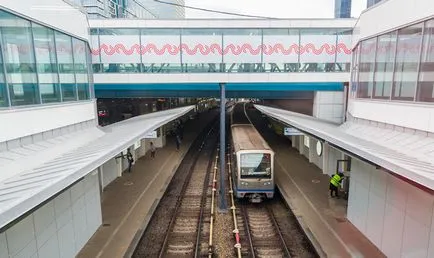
[191,57]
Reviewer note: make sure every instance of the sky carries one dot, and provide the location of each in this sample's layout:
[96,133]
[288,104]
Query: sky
[271,8]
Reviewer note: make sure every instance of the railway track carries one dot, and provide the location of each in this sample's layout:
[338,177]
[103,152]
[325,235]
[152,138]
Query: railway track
[263,234]
[188,231]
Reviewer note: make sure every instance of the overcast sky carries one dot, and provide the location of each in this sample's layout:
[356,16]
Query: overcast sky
[271,8]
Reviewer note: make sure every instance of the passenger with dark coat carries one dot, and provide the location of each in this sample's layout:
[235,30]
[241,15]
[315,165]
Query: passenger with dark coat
[130,160]
[178,141]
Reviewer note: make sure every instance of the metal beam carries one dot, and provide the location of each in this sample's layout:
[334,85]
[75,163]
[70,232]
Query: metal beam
[222,194]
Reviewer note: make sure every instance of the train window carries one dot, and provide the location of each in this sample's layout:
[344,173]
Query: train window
[255,165]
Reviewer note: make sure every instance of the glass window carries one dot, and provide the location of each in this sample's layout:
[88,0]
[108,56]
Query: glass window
[23,93]
[355,71]
[69,91]
[46,64]
[83,91]
[45,49]
[385,59]
[81,69]
[366,68]
[19,59]
[255,165]
[318,50]
[66,66]
[407,60]
[64,53]
[50,92]
[161,51]
[120,51]
[343,50]
[426,76]
[3,90]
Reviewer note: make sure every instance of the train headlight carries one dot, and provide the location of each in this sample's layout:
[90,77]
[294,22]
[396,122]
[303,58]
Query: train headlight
[267,183]
[244,183]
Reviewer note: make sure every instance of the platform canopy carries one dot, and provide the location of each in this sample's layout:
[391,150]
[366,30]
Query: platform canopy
[31,174]
[406,154]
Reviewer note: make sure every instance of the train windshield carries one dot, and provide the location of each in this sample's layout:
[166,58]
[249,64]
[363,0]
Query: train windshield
[255,165]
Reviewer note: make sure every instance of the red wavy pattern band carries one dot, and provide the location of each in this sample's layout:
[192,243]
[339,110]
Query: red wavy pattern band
[246,48]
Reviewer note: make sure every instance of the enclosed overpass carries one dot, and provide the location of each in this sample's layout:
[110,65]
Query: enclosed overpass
[191,57]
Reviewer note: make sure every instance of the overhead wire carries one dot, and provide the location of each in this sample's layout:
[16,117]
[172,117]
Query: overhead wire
[215,11]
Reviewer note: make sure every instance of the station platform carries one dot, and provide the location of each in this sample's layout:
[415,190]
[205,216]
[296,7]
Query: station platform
[129,202]
[305,189]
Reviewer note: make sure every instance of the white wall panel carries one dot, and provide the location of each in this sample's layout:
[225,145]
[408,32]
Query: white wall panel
[77,191]
[242,49]
[80,224]
[374,222]
[420,206]
[431,240]
[415,238]
[389,15]
[50,249]
[20,235]
[362,204]
[28,251]
[60,227]
[202,49]
[415,116]
[379,181]
[352,199]
[110,171]
[314,158]
[60,116]
[67,240]
[45,224]
[397,193]
[393,230]
[62,208]
[3,245]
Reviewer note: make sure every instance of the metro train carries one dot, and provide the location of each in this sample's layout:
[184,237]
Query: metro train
[252,159]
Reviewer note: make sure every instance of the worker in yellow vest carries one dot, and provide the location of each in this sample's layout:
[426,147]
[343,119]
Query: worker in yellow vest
[335,182]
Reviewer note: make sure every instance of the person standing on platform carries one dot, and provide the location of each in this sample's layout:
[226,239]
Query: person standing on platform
[178,141]
[130,160]
[152,150]
[335,182]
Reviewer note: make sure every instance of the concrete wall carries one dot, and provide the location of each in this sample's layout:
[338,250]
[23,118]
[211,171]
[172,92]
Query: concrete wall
[140,152]
[110,171]
[60,228]
[313,156]
[43,118]
[389,15]
[395,215]
[410,115]
[329,105]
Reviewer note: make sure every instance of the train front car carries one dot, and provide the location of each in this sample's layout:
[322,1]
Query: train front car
[254,164]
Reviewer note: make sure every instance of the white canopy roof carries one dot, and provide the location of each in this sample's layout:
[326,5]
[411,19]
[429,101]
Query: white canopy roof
[33,173]
[406,154]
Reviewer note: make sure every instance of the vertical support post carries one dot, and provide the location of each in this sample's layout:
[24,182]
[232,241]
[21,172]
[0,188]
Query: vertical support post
[222,197]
